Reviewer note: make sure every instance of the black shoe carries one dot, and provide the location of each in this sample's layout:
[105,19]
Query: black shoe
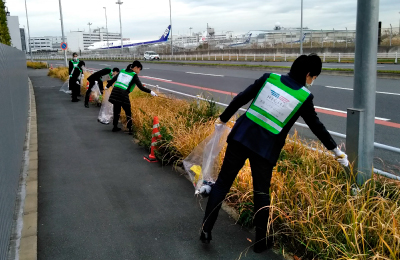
[205,237]
[116,129]
[87,105]
[75,100]
[263,245]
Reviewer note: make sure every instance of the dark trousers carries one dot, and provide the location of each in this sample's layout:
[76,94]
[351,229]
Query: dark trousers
[91,84]
[75,88]
[117,111]
[261,170]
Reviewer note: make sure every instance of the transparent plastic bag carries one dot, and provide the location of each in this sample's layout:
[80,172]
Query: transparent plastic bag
[106,110]
[96,92]
[202,163]
[65,87]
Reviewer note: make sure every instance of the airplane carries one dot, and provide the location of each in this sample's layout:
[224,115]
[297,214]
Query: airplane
[304,36]
[236,44]
[129,44]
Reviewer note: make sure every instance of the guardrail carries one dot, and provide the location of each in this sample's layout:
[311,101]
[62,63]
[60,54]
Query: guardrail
[377,145]
[332,57]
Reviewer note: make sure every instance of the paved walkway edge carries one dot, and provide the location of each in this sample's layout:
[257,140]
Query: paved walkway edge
[23,244]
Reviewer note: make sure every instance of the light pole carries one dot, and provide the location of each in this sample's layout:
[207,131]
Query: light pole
[334,37]
[62,31]
[291,41]
[90,34]
[170,30]
[105,12]
[29,34]
[119,3]
[346,37]
[322,39]
[391,29]
[301,29]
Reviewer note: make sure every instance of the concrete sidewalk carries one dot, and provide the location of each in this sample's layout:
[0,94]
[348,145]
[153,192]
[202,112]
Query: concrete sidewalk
[98,198]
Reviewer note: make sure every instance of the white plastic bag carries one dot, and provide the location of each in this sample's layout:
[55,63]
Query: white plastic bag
[96,92]
[106,110]
[202,163]
[65,87]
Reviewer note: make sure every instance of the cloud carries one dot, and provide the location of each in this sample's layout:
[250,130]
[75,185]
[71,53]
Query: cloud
[148,19]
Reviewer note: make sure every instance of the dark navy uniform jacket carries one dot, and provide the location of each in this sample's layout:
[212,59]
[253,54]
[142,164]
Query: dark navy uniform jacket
[259,139]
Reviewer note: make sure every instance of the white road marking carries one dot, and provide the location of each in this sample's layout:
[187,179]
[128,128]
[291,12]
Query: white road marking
[213,75]
[155,78]
[146,68]
[344,112]
[105,64]
[346,65]
[380,92]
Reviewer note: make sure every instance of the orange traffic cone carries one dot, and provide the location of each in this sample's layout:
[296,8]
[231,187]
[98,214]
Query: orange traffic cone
[154,140]
[51,66]
[87,87]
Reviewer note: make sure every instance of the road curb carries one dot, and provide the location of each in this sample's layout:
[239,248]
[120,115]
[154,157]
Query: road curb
[28,243]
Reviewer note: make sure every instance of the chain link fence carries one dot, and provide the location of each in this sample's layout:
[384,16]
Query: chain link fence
[14,93]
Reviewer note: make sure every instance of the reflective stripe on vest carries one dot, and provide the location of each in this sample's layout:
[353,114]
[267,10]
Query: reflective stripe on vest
[75,64]
[275,104]
[123,80]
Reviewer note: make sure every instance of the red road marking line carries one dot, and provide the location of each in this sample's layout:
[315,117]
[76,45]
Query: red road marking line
[319,110]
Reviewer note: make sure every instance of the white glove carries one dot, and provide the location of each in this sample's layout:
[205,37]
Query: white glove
[219,122]
[105,88]
[78,83]
[95,82]
[341,157]
[153,94]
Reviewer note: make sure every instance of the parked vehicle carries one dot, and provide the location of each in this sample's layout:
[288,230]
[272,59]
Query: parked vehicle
[151,55]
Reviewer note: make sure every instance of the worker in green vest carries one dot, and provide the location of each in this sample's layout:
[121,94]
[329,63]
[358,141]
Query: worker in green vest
[124,83]
[259,135]
[76,67]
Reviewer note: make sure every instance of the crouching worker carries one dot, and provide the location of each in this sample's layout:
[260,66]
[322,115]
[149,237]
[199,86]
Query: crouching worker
[124,83]
[99,76]
[259,135]
[75,80]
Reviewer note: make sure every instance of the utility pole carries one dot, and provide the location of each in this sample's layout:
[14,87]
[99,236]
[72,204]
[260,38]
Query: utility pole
[346,37]
[334,37]
[301,30]
[62,31]
[170,31]
[29,34]
[90,33]
[361,119]
[391,31]
[119,3]
[108,46]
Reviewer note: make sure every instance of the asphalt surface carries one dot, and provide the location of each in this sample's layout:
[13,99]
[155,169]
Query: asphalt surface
[98,198]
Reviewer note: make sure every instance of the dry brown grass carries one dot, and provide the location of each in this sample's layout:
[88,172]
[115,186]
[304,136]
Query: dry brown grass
[36,65]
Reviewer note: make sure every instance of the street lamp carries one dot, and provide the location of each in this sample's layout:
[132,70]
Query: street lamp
[291,41]
[29,34]
[108,46]
[62,32]
[346,37]
[301,29]
[90,34]
[170,31]
[119,3]
[334,37]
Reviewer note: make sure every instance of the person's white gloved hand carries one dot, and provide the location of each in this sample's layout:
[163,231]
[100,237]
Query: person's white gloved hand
[219,122]
[78,83]
[95,82]
[153,94]
[105,88]
[341,157]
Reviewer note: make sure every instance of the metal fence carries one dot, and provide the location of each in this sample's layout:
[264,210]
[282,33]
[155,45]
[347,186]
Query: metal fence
[14,93]
[331,57]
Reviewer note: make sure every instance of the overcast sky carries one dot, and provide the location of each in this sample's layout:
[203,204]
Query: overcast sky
[148,19]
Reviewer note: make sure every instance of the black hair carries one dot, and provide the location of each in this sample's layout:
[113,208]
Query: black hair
[73,54]
[137,63]
[306,64]
[115,70]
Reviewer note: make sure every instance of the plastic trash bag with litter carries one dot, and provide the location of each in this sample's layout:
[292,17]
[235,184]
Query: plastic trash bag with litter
[202,163]
[65,87]
[96,93]
[106,110]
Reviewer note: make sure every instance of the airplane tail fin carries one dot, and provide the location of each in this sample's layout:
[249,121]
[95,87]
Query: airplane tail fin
[304,36]
[165,35]
[248,38]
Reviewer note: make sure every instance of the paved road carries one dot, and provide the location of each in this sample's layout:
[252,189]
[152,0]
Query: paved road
[333,95]
[98,198]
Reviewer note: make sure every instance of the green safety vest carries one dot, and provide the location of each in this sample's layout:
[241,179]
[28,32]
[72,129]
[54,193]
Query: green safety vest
[123,80]
[75,63]
[275,104]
